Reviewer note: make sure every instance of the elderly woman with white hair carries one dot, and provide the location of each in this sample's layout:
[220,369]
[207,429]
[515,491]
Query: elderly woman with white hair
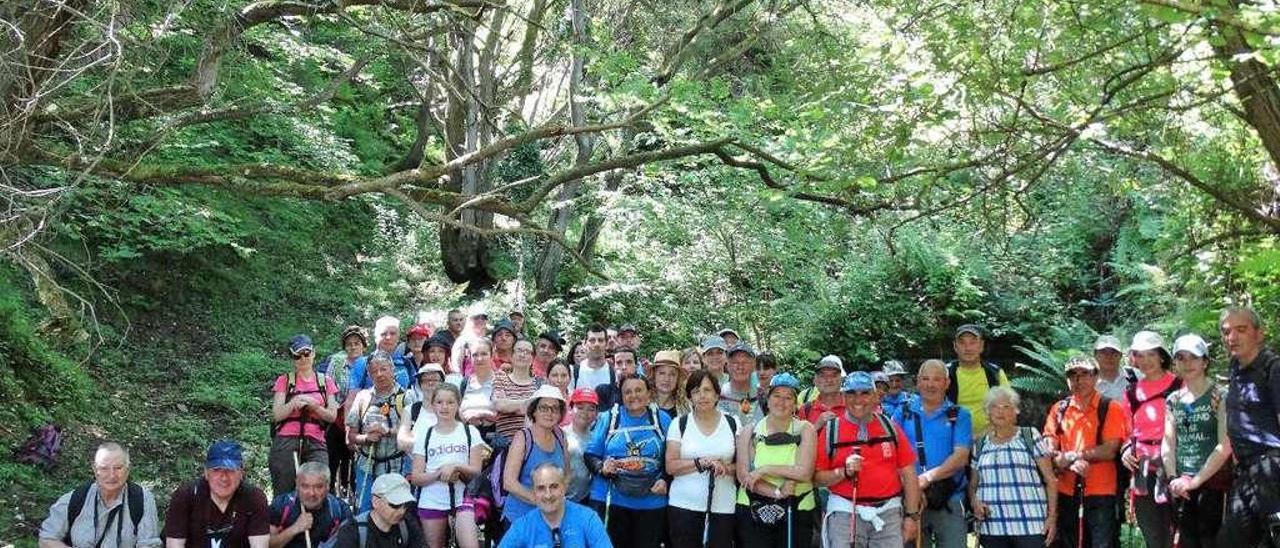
[1012,486]
[386,336]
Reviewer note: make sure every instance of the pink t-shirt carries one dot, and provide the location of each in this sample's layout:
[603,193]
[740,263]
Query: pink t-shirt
[305,388]
[1148,418]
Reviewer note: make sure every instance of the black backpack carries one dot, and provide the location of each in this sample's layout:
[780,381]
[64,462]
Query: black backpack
[953,390]
[76,505]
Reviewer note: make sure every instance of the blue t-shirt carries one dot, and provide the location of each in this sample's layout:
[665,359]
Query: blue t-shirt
[580,528]
[635,439]
[360,378]
[940,437]
[325,520]
[514,508]
[892,404]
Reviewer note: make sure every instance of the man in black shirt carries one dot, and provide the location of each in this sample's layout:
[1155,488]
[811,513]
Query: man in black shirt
[1253,426]
[389,524]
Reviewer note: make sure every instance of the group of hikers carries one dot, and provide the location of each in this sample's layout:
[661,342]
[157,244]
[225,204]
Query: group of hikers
[475,434]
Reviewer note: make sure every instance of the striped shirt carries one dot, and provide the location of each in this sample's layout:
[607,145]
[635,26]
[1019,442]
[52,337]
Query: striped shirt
[506,388]
[1011,487]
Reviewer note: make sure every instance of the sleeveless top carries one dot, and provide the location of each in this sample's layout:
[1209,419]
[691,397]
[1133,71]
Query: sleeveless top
[1196,427]
[784,455]
[513,508]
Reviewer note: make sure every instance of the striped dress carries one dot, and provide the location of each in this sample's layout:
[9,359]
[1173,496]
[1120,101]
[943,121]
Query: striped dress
[1011,487]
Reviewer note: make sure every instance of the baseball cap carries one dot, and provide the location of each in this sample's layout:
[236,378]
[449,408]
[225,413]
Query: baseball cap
[728,331]
[1108,341]
[419,330]
[504,325]
[784,380]
[584,395]
[1146,340]
[1081,362]
[626,327]
[858,381]
[299,343]
[742,347]
[879,377]
[1191,343]
[713,341]
[831,361]
[969,328]
[357,332]
[440,340]
[393,488]
[224,455]
[431,368]
[893,368]
[554,338]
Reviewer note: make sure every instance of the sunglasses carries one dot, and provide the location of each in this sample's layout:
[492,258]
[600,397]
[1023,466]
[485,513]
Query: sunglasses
[303,354]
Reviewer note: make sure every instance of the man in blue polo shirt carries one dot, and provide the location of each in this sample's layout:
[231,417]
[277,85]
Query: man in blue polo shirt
[941,433]
[557,523]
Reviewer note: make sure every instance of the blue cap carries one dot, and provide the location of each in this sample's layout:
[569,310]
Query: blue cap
[224,454]
[299,343]
[741,347]
[504,325]
[784,380]
[858,381]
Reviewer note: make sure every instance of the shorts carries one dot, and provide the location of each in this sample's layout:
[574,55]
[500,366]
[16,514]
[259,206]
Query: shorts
[427,513]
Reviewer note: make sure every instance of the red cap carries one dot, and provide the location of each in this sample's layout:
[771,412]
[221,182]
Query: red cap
[419,331]
[584,395]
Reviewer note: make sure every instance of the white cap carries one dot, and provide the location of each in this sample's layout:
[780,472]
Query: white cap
[393,488]
[545,391]
[1191,343]
[831,361]
[1108,341]
[1146,340]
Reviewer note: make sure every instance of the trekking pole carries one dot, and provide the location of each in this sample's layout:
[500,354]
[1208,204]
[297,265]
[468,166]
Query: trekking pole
[1179,507]
[853,514]
[706,516]
[608,501]
[451,521]
[1079,511]
[789,524]
[296,468]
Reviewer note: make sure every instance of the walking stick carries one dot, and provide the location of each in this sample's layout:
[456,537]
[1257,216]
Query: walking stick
[1079,511]
[297,466]
[1179,507]
[853,514]
[789,524]
[706,516]
[608,501]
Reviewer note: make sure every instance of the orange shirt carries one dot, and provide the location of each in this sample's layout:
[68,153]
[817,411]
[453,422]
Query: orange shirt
[881,460]
[1079,431]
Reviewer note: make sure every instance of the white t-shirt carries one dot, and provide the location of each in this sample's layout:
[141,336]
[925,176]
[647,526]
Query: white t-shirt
[591,378]
[426,419]
[450,448]
[689,491]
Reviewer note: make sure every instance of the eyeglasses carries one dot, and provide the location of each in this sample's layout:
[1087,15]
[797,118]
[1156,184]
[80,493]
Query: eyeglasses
[548,408]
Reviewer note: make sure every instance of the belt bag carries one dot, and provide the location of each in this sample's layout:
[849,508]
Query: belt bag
[635,484]
[939,493]
[767,511]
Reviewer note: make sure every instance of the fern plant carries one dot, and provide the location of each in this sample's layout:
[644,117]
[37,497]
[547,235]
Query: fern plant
[1044,375]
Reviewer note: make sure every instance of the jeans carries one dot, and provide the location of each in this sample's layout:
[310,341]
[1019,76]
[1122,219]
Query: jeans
[1255,495]
[1100,523]
[945,528]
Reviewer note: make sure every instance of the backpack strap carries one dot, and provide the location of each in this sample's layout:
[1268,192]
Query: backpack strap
[953,387]
[135,503]
[1104,405]
[577,371]
[830,429]
[993,375]
[682,424]
[74,507]
[287,512]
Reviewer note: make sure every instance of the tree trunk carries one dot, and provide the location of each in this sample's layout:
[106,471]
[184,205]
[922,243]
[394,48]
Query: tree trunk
[552,257]
[464,254]
[1255,87]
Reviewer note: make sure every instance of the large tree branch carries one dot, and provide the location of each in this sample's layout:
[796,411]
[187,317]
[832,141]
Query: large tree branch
[1214,12]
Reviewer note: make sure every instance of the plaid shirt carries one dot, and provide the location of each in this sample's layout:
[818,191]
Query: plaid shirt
[1011,487]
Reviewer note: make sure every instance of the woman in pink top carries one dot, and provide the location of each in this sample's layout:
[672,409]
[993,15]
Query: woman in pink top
[1144,402]
[305,403]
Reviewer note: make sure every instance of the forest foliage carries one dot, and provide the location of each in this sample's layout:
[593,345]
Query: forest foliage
[187,184]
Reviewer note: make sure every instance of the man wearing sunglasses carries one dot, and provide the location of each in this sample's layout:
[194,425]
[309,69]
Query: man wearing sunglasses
[389,523]
[305,403]
[1085,431]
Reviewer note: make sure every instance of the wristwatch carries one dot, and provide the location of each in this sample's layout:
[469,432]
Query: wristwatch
[912,515]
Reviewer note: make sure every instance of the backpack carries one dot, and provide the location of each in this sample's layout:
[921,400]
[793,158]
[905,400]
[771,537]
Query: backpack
[426,443]
[78,497]
[289,393]
[42,448]
[833,430]
[398,408]
[335,512]
[361,522]
[1104,404]
[953,389]
[683,423]
[1131,394]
